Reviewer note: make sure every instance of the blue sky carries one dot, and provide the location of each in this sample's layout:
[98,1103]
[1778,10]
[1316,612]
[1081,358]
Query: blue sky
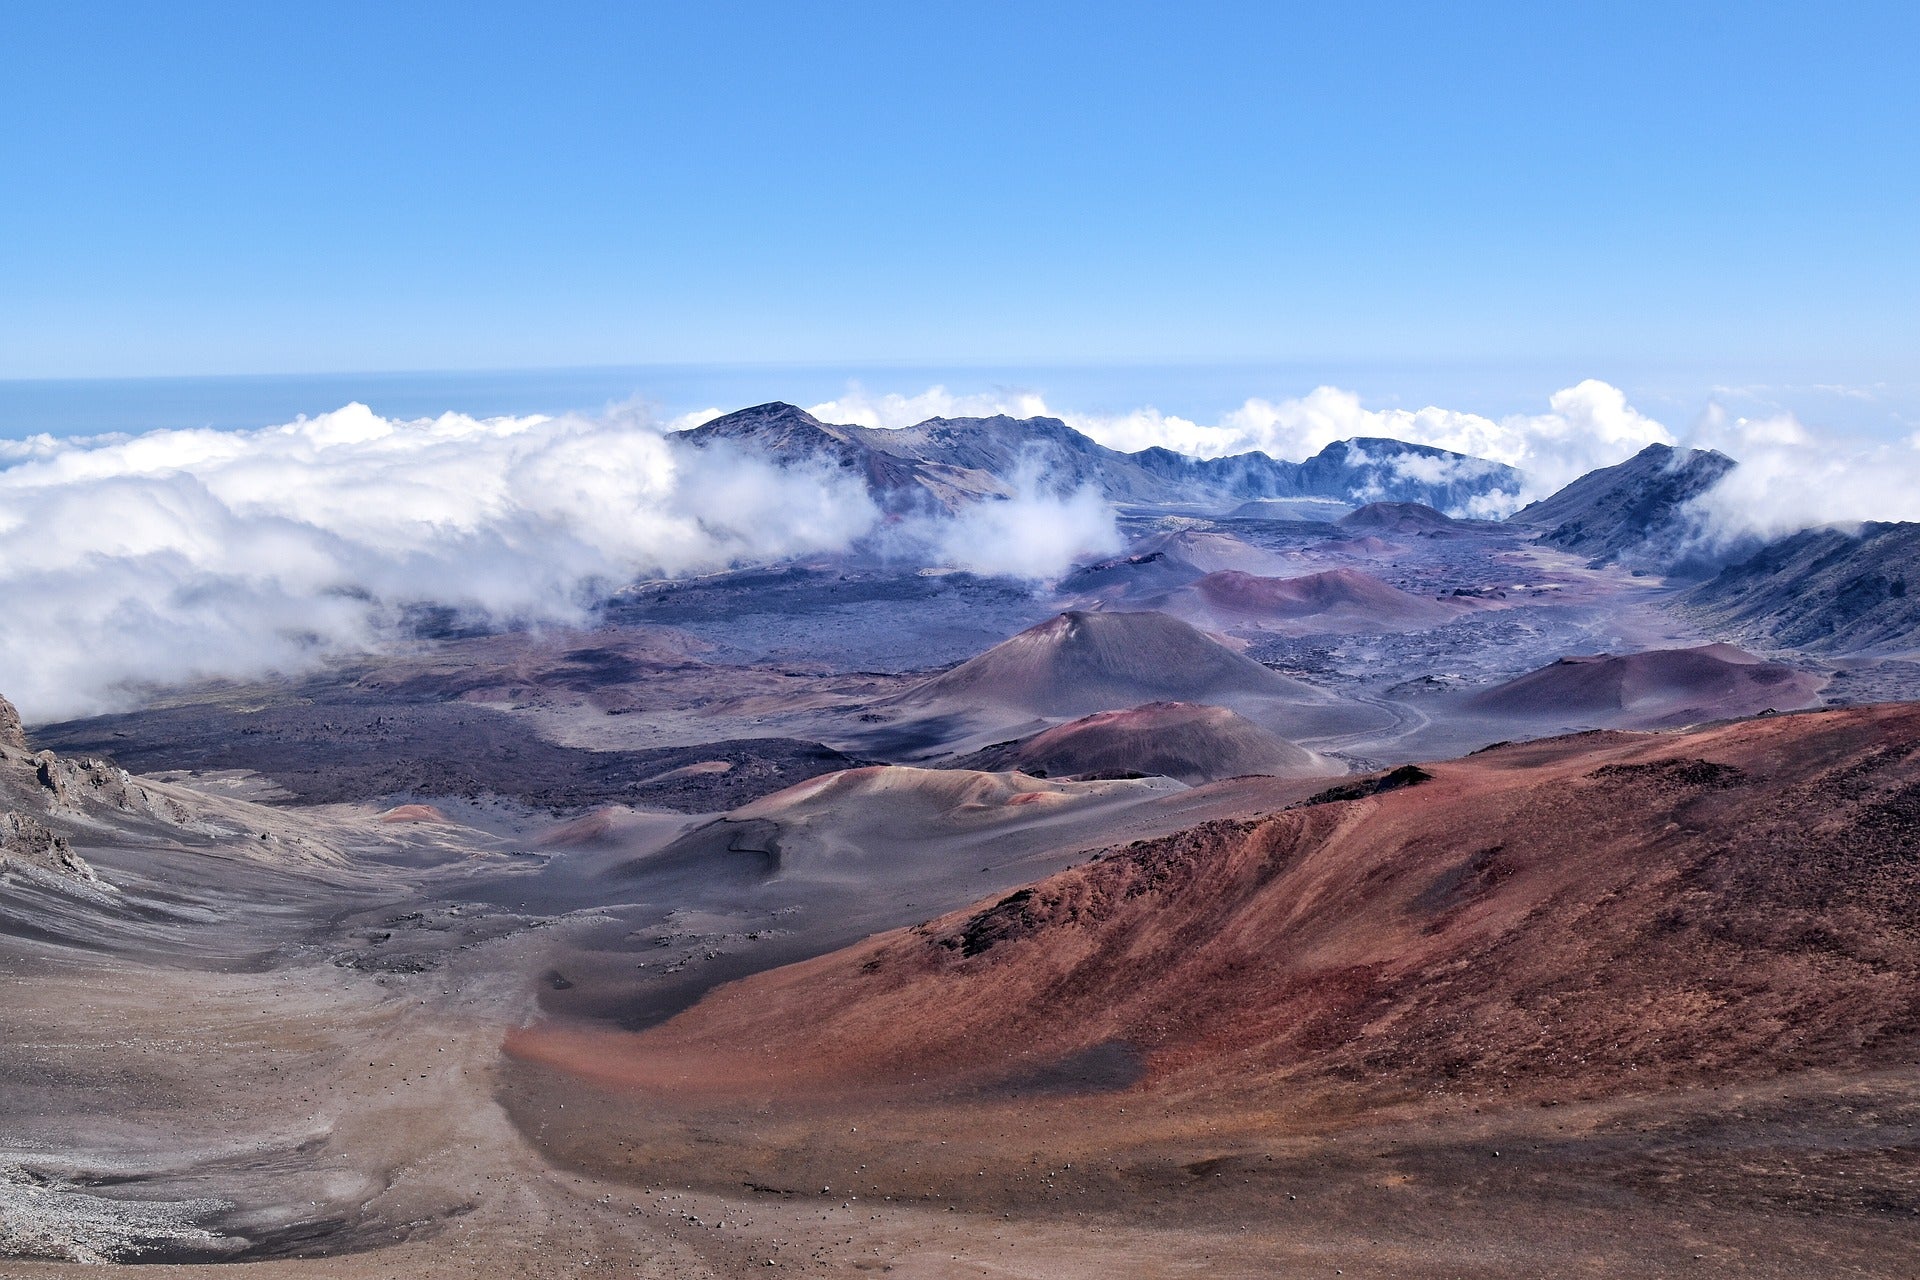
[1727,190]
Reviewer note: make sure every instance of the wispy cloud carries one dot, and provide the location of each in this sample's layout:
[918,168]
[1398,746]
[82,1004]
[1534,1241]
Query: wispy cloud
[1791,478]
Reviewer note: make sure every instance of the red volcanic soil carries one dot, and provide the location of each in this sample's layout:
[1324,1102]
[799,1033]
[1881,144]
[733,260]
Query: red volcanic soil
[414,813]
[1593,916]
[1180,740]
[601,825]
[1347,598]
[1083,662]
[1658,688]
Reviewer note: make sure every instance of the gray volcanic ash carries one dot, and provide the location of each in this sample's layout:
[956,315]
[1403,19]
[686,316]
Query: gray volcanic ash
[1180,740]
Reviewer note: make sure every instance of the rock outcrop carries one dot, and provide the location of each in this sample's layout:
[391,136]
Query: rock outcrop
[81,785]
[27,841]
[43,796]
[12,732]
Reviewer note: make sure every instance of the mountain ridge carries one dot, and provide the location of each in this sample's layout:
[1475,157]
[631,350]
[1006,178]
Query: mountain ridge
[1637,513]
[953,461]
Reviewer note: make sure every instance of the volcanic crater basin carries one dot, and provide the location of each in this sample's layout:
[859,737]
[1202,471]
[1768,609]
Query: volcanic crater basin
[787,972]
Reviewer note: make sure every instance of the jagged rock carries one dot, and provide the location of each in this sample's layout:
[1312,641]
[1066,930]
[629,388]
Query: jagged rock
[12,732]
[78,784]
[1832,591]
[25,839]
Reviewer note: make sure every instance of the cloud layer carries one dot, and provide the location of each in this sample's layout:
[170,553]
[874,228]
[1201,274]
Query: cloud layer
[1790,477]
[176,555]
[181,554]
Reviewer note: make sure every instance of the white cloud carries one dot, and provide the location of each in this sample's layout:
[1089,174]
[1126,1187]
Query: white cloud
[182,554]
[1790,479]
[860,408]
[1585,426]
[1034,533]
[176,555]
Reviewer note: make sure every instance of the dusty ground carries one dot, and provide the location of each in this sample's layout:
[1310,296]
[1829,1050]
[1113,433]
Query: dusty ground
[342,1113]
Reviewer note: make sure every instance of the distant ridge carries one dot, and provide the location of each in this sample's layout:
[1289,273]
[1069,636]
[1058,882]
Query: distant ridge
[953,461]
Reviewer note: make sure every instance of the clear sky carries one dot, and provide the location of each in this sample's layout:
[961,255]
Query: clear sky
[197,188]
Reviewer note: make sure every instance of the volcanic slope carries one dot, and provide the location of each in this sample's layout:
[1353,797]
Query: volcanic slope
[1635,513]
[1081,662]
[1831,591]
[1334,600]
[1660,688]
[1605,914]
[888,816]
[1182,740]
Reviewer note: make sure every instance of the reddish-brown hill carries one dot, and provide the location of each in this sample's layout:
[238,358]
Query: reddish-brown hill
[1336,599]
[1081,662]
[1603,913]
[1658,688]
[1398,517]
[1182,740]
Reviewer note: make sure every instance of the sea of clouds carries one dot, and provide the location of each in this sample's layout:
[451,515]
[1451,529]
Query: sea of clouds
[177,555]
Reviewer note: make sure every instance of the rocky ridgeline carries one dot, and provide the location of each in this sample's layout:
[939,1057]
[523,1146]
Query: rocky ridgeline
[38,786]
